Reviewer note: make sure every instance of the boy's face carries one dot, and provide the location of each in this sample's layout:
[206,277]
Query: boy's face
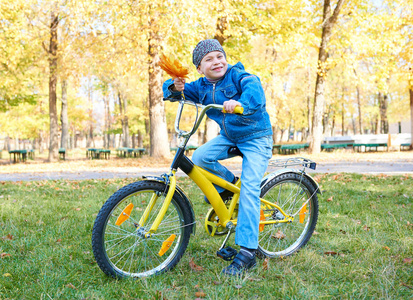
[213,65]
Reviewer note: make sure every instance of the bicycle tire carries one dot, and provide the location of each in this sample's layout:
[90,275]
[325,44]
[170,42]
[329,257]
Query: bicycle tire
[123,250]
[289,191]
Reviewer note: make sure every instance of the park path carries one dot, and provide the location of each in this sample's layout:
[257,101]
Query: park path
[393,167]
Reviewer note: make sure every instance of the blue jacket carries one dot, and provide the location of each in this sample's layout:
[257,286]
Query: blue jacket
[238,85]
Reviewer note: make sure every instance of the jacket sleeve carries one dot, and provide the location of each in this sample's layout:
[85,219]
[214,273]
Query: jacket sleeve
[190,92]
[252,93]
[167,90]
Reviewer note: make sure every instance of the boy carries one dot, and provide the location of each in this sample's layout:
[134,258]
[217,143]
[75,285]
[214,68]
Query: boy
[251,132]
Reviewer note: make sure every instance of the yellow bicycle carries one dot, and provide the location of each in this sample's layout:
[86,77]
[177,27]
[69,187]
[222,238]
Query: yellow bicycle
[144,228]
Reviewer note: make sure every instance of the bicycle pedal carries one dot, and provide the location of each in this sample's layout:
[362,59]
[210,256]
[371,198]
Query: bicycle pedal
[227,253]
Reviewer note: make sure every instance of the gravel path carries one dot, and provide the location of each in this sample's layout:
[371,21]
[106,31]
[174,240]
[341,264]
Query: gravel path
[394,167]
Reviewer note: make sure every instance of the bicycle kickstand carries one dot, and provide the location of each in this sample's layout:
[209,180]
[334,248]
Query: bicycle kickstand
[227,253]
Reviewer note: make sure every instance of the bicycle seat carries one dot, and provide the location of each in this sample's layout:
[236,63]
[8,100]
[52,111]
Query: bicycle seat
[234,151]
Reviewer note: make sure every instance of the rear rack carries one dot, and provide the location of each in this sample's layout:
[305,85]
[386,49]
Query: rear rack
[295,161]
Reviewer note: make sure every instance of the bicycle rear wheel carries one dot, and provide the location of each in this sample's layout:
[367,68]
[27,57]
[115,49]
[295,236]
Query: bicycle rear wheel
[119,243]
[297,197]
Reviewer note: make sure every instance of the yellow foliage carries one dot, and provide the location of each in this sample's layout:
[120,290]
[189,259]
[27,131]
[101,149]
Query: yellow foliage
[173,67]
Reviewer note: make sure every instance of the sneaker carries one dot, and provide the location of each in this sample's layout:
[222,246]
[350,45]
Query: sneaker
[240,265]
[225,195]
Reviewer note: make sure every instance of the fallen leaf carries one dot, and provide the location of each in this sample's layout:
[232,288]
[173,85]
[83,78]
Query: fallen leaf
[330,253]
[3,255]
[6,275]
[407,260]
[70,286]
[195,267]
[343,232]
[330,199]
[278,235]
[386,248]
[200,294]
[315,232]
[366,228]
[58,240]
[7,237]
[265,264]
[77,209]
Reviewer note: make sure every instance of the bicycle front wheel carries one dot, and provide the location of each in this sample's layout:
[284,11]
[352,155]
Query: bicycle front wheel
[119,243]
[297,197]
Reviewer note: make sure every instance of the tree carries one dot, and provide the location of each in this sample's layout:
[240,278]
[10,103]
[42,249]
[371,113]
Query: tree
[52,56]
[329,20]
[64,117]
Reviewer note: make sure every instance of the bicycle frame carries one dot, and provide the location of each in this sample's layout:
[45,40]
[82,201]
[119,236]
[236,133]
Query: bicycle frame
[204,180]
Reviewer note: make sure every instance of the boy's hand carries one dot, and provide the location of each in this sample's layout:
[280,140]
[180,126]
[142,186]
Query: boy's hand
[230,105]
[179,84]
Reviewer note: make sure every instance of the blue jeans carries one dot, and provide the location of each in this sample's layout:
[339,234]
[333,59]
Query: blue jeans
[257,153]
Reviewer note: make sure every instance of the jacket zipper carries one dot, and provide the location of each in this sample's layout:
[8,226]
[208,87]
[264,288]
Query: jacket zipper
[223,118]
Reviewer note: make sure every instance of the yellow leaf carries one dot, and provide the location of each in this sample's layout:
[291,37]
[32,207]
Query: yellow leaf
[173,67]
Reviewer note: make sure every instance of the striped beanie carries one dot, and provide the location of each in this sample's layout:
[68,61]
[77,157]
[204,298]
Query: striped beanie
[203,48]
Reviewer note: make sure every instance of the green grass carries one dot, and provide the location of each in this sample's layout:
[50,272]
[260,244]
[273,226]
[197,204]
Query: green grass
[45,244]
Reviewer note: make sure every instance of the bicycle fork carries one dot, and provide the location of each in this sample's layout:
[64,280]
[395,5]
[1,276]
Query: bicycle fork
[171,182]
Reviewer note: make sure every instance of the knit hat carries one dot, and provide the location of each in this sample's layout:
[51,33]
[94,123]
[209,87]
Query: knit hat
[203,48]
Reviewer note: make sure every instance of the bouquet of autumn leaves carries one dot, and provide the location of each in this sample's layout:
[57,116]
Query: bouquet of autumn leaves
[173,67]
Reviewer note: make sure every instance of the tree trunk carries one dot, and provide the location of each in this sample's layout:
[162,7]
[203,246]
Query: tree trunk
[309,108]
[329,21]
[383,104]
[221,25]
[54,144]
[140,139]
[211,130]
[359,103]
[90,140]
[125,123]
[63,117]
[333,125]
[411,117]
[159,146]
[134,140]
[124,120]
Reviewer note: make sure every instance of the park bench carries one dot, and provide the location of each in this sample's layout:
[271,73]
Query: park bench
[276,148]
[94,153]
[129,152]
[188,149]
[30,153]
[405,146]
[62,153]
[357,147]
[292,148]
[18,155]
[331,147]
[105,153]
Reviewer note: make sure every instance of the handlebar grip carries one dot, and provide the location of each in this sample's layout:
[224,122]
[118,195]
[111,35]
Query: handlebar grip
[239,110]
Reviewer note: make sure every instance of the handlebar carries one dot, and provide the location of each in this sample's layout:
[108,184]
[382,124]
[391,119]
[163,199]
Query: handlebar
[205,108]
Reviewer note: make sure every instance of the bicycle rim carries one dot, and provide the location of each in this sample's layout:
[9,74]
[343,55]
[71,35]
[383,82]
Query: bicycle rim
[126,248]
[296,196]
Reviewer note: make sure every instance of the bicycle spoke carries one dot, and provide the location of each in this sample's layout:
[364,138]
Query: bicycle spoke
[291,192]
